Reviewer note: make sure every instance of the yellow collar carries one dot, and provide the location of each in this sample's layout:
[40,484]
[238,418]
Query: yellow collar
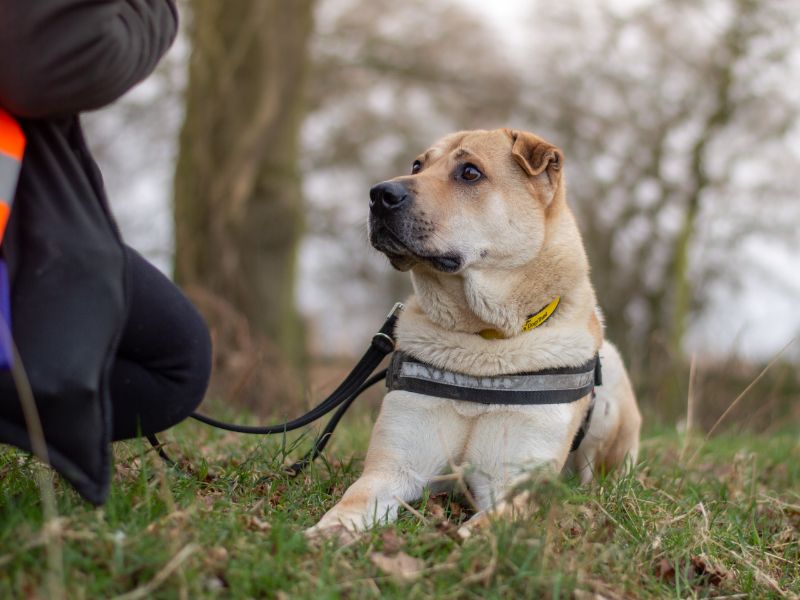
[531,322]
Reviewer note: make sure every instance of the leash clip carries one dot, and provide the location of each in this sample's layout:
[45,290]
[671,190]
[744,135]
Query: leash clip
[396,310]
[383,341]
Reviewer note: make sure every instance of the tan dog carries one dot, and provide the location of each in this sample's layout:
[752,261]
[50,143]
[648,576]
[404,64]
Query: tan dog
[483,225]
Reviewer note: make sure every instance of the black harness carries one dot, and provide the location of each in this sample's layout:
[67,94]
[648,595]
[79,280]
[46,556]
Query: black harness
[548,386]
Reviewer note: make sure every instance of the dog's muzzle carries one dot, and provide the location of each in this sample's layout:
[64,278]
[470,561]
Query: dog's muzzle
[401,235]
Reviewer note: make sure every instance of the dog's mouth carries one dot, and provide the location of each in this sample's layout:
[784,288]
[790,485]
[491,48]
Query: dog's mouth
[446,263]
[402,257]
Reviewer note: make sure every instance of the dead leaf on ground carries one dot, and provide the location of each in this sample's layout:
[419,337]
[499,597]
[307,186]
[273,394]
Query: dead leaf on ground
[436,511]
[708,573]
[400,566]
[444,506]
[665,571]
[277,495]
[256,524]
[700,571]
[391,542]
[435,505]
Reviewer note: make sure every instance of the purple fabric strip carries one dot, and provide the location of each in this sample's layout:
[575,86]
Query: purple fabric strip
[6,352]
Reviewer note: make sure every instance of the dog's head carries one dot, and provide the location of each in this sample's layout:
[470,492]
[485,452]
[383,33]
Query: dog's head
[474,199]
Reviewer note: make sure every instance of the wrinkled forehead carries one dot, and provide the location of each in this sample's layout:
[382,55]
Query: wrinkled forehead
[481,144]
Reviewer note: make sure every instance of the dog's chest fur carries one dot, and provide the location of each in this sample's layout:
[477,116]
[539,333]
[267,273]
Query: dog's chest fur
[464,430]
[547,347]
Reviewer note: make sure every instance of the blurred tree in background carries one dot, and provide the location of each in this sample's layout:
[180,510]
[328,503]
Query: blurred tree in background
[671,135]
[238,203]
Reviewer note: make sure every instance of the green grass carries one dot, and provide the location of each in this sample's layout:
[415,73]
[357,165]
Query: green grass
[726,523]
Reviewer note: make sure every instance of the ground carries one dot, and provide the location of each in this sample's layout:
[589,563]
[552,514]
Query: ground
[712,519]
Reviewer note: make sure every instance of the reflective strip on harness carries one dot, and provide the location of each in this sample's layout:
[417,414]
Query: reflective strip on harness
[551,386]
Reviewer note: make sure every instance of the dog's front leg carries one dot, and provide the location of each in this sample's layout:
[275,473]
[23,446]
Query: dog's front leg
[374,498]
[413,440]
[509,448]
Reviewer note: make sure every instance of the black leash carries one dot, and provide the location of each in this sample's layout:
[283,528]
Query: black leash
[322,440]
[566,384]
[342,397]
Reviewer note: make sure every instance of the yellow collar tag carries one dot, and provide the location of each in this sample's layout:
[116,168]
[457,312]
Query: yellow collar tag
[531,322]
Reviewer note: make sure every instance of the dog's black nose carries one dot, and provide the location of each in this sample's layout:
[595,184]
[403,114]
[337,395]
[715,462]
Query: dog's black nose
[387,197]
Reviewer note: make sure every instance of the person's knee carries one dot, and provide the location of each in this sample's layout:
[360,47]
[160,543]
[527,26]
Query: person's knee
[198,362]
[189,368]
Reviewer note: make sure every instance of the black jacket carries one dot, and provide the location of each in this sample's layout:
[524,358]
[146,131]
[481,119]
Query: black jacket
[64,252]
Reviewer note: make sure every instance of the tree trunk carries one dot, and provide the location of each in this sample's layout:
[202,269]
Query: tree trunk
[238,209]
[722,78]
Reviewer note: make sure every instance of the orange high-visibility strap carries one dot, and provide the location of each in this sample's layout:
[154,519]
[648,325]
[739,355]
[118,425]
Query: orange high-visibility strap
[12,146]
[5,213]
[12,140]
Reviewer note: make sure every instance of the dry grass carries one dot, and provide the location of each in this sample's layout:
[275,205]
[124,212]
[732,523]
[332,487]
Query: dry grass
[699,518]
[727,524]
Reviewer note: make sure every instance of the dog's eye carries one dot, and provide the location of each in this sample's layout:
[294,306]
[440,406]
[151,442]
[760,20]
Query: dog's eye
[416,167]
[470,173]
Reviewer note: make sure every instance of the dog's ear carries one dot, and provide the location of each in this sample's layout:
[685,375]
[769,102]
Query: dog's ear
[536,156]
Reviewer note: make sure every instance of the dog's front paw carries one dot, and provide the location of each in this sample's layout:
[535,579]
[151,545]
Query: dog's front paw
[479,522]
[333,531]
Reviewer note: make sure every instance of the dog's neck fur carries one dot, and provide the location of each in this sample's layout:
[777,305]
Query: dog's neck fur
[448,310]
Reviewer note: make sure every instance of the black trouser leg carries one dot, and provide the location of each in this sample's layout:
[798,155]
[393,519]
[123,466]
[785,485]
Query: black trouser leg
[164,356]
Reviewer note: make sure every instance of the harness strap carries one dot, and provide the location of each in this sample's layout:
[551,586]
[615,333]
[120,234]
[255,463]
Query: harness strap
[587,421]
[550,386]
